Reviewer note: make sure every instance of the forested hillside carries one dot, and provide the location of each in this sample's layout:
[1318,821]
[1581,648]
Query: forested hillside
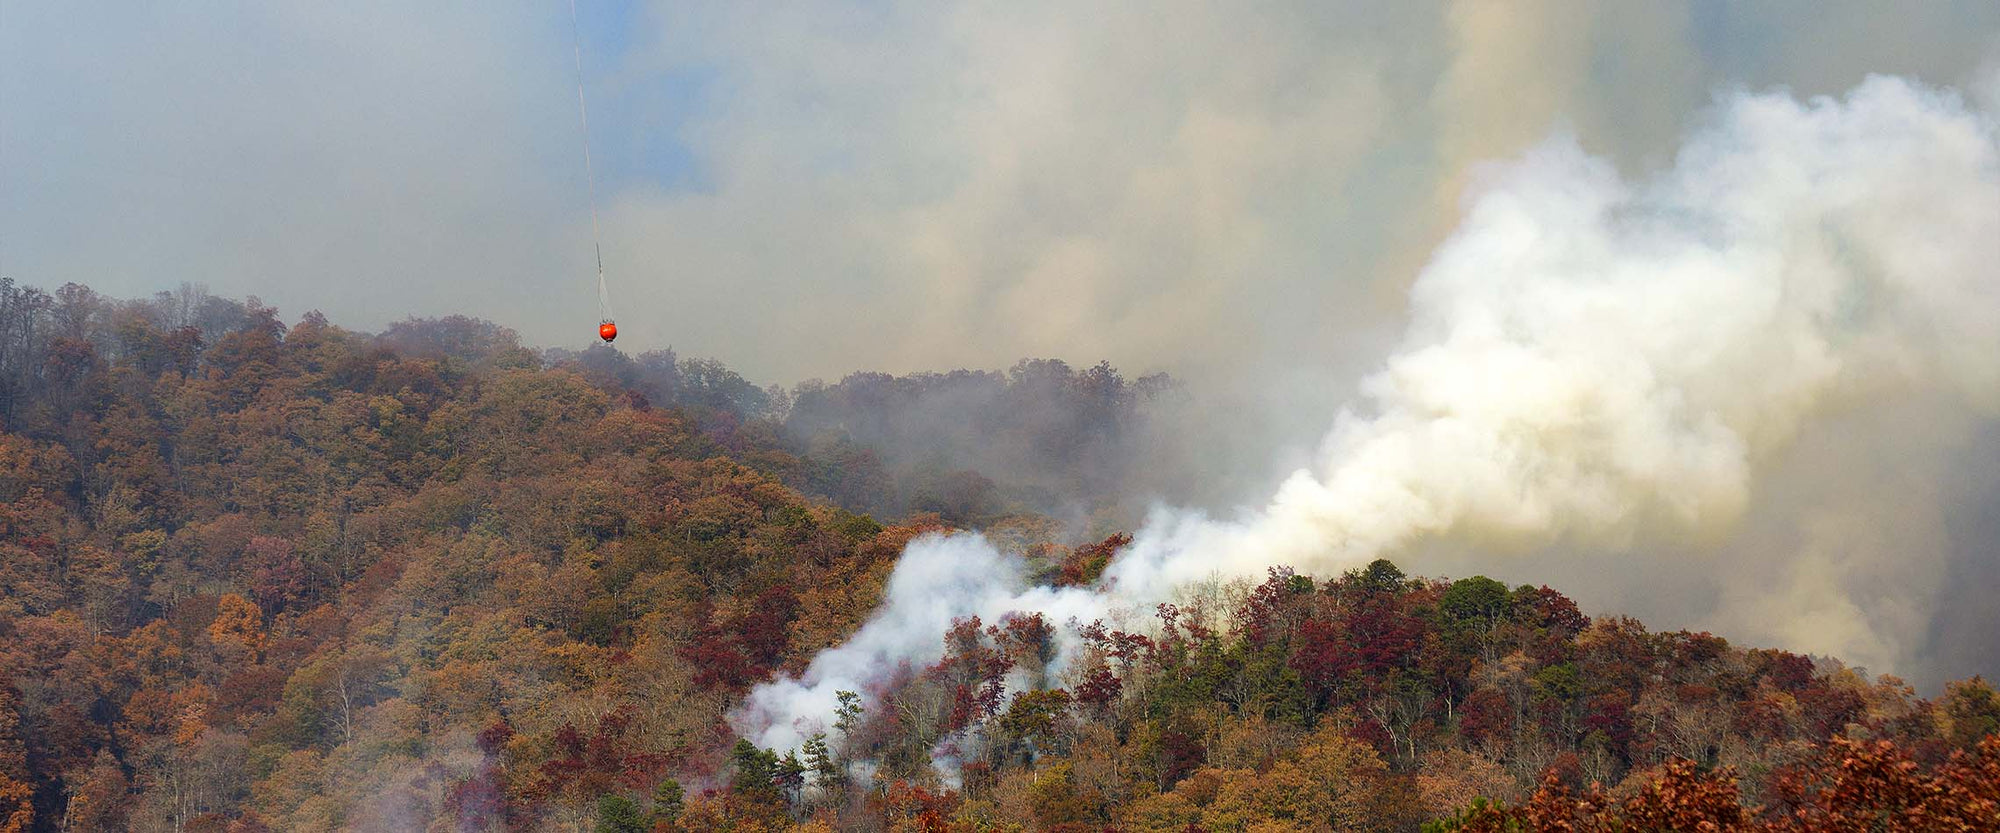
[267,577]
[971,446]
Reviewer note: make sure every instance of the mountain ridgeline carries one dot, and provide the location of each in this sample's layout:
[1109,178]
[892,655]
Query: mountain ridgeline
[259,576]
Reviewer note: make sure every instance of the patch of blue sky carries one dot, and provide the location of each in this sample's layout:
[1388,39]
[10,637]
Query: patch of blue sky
[640,109]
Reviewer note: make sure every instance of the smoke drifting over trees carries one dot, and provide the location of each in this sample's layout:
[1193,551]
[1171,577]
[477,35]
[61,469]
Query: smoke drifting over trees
[1064,442]
[1591,361]
[1733,367]
[301,578]
[972,447]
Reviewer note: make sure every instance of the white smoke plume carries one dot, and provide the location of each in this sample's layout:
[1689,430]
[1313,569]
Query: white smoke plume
[938,579]
[1588,359]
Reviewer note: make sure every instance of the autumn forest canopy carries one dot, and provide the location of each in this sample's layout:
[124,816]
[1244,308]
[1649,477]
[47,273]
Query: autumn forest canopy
[268,576]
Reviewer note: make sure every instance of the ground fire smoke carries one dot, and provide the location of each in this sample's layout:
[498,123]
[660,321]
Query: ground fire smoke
[1588,359]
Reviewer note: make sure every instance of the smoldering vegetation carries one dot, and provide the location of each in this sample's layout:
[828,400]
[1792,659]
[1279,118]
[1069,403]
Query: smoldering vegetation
[282,575]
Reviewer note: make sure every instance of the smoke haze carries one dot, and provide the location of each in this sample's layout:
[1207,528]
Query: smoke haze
[1183,187]
[1610,364]
[1591,375]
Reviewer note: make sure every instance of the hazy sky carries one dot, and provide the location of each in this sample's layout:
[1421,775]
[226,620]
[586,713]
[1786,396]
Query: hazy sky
[808,189]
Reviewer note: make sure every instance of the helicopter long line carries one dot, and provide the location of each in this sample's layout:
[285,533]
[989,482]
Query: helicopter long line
[590,177]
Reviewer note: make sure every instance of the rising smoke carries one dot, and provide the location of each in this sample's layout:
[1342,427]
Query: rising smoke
[1589,360]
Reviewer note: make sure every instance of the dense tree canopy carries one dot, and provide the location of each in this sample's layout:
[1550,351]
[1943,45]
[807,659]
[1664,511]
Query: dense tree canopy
[256,576]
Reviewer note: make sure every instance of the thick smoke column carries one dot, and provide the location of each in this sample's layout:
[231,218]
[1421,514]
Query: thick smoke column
[938,579]
[1587,358]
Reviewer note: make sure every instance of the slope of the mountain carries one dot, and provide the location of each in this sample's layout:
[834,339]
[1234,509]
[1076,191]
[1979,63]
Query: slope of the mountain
[298,578]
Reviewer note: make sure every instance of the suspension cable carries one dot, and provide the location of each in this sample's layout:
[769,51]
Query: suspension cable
[590,177]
